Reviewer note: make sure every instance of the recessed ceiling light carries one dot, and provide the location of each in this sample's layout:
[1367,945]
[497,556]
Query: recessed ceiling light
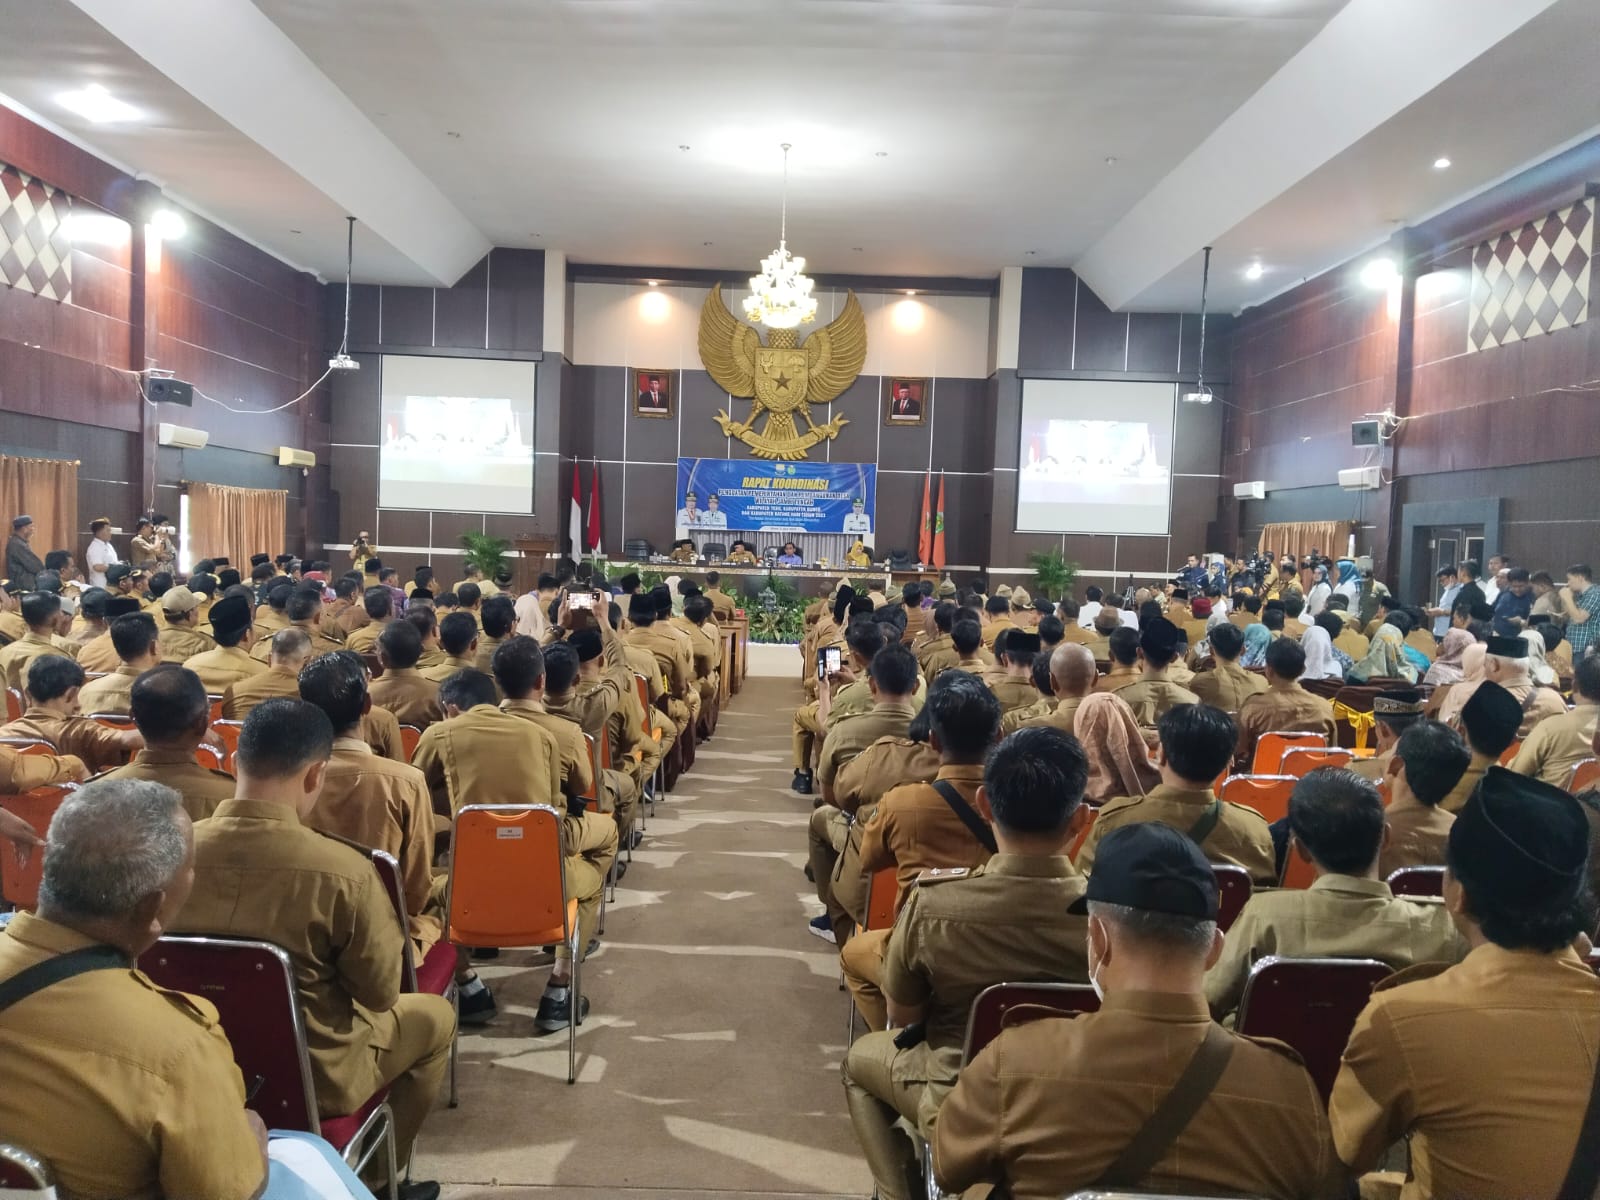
[1254,271]
[93,103]
[1441,163]
[653,282]
[1379,273]
[911,291]
[169,224]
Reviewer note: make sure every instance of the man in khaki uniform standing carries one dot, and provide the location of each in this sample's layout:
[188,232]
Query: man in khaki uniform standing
[122,1087]
[230,661]
[1051,1107]
[170,706]
[481,755]
[1428,762]
[1285,705]
[261,872]
[920,827]
[962,931]
[402,689]
[1153,694]
[52,716]
[1336,823]
[135,639]
[182,638]
[1487,1068]
[1195,742]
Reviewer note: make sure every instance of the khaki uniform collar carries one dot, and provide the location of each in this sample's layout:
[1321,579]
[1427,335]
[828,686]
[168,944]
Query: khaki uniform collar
[533,706]
[1352,884]
[961,772]
[257,810]
[1181,793]
[152,757]
[401,673]
[351,745]
[1179,1008]
[1033,866]
[33,930]
[128,672]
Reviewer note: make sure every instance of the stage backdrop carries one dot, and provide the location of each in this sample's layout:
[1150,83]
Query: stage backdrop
[783,497]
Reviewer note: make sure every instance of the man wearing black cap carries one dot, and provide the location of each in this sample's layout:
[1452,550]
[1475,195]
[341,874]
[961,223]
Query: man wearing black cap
[230,661]
[1488,721]
[1160,644]
[1487,1069]
[1336,823]
[22,564]
[1393,712]
[1057,1105]
[1507,664]
[1428,762]
[964,930]
[1011,679]
[1195,742]
[665,648]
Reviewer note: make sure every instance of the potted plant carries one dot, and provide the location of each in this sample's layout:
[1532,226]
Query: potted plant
[486,553]
[1053,575]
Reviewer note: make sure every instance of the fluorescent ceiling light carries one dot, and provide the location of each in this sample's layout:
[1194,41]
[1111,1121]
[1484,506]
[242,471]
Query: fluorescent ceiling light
[95,228]
[1254,271]
[1379,273]
[1441,163]
[94,103]
[169,224]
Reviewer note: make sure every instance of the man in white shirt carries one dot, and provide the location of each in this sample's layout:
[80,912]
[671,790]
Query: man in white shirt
[101,553]
[1091,608]
[1495,577]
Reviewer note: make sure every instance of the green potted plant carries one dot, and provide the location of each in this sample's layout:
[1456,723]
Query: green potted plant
[486,553]
[1053,575]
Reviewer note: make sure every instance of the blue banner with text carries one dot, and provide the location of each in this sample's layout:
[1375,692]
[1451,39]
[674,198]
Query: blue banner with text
[783,497]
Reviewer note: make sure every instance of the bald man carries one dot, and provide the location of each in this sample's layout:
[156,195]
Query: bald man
[1072,677]
[291,650]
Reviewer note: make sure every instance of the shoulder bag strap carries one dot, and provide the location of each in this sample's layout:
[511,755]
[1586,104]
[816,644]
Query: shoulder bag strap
[976,825]
[1173,1114]
[1201,829]
[58,969]
[1583,1176]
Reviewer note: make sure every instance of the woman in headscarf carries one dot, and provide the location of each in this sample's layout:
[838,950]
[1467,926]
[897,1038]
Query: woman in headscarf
[1320,660]
[1449,701]
[1317,597]
[1386,658]
[1349,584]
[1257,638]
[1119,763]
[1403,625]
[1539,669]
[1446,668]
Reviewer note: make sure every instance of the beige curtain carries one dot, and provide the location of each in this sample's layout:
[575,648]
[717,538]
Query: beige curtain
[47,490]
[1300,537]
[235,523]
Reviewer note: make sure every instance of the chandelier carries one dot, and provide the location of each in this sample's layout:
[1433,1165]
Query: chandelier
[781,295]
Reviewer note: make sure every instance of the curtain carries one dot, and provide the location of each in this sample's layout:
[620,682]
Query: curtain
[1300,537]
[235,523]
[47,490]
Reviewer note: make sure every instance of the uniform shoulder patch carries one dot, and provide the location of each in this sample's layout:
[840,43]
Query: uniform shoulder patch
[1415,973]
[1244,810]
[1273,1044]
[942,875]
[199,1010]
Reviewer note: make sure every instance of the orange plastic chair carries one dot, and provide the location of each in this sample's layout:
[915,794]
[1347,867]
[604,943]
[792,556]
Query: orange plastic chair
[1270,748]
[410,735]
[19,884]
[24,745]
[883,894]
[1298,873]
[1267,794]
[228,731]
[216,708]
[1510,753]
[508,888]
[209,757]
[1300,762]
[13,704]
[1083,835]
[1584,776]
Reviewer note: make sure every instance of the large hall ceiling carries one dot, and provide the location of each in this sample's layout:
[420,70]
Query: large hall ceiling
[930,137]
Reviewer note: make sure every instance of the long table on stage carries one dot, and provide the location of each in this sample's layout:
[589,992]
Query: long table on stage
[806,580]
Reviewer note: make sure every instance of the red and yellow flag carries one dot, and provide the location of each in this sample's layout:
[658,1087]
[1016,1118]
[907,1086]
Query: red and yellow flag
[938,529]
[925,534]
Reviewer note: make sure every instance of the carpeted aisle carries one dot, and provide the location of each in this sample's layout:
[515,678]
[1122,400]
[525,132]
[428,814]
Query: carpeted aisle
[710,1060]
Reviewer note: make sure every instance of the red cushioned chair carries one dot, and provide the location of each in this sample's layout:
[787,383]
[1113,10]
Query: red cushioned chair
[1233,892]
[251,984]
[1584,776]
[436,976]
[19,884]
[14,704]
[21,1171]
[1311,1004]
[1417,881]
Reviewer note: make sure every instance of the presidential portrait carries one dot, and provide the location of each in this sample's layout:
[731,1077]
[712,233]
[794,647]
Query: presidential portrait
[904,400]
[652,393]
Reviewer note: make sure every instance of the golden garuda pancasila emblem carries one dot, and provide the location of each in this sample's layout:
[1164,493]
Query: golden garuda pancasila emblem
[783,378]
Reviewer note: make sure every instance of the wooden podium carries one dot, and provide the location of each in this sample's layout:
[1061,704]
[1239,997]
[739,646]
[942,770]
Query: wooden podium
[534,554]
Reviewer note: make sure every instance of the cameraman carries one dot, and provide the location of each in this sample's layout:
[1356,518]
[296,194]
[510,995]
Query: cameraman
[152,544]
[362,549]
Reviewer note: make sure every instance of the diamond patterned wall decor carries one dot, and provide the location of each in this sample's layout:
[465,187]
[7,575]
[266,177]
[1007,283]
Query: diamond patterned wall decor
[35,254]
[1532,280]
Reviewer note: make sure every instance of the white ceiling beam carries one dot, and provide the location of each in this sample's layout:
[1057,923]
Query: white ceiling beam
[1371,61]
[231,58]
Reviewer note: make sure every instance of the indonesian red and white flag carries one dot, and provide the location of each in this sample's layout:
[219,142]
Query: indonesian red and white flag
[594,511]
[575,519]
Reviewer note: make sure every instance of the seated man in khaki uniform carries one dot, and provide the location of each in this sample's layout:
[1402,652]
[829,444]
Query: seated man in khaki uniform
[1427,763]
[1489,722]
[260,872]
[1336,823]
[378,603]
[1072,677]
[271,613]
[481,755]
[657,638]
[499,619]
[723,606]
[1048,1108]
[1285,705]
[1044,699]
[302,609]
[705,642]
[99,656]
[230,661]
[402,689]
[996,618]
[934,650]
[1196,743]
[1008,921]
[52,715]
[182,638]
[458,639]
[122,1087]
[1153,693]
[170,706]
[135,639]
[41,613]
[966,640]
[618,793]
[1486,1069]
[1393,712]
[1011,679]
[291,650]
[1559,743]
[920,827]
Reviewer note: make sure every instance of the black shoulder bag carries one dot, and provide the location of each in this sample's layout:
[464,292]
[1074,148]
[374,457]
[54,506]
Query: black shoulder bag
[59,969]
[976,825]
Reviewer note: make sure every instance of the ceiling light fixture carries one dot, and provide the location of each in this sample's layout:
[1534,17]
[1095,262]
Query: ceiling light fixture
[1441,163]
[93,103]
[781,295]
[169,224]
[1380,273]
[1254,271]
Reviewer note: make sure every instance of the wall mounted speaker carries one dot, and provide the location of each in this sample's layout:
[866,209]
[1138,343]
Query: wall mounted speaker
[1365,433]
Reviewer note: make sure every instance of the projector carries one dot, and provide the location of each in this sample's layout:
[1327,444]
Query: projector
[343,362]
[1203,396]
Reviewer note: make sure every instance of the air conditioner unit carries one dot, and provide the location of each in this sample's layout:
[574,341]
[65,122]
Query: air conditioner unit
[1361,479]
[1256,489]
[181,436]
[288,456]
